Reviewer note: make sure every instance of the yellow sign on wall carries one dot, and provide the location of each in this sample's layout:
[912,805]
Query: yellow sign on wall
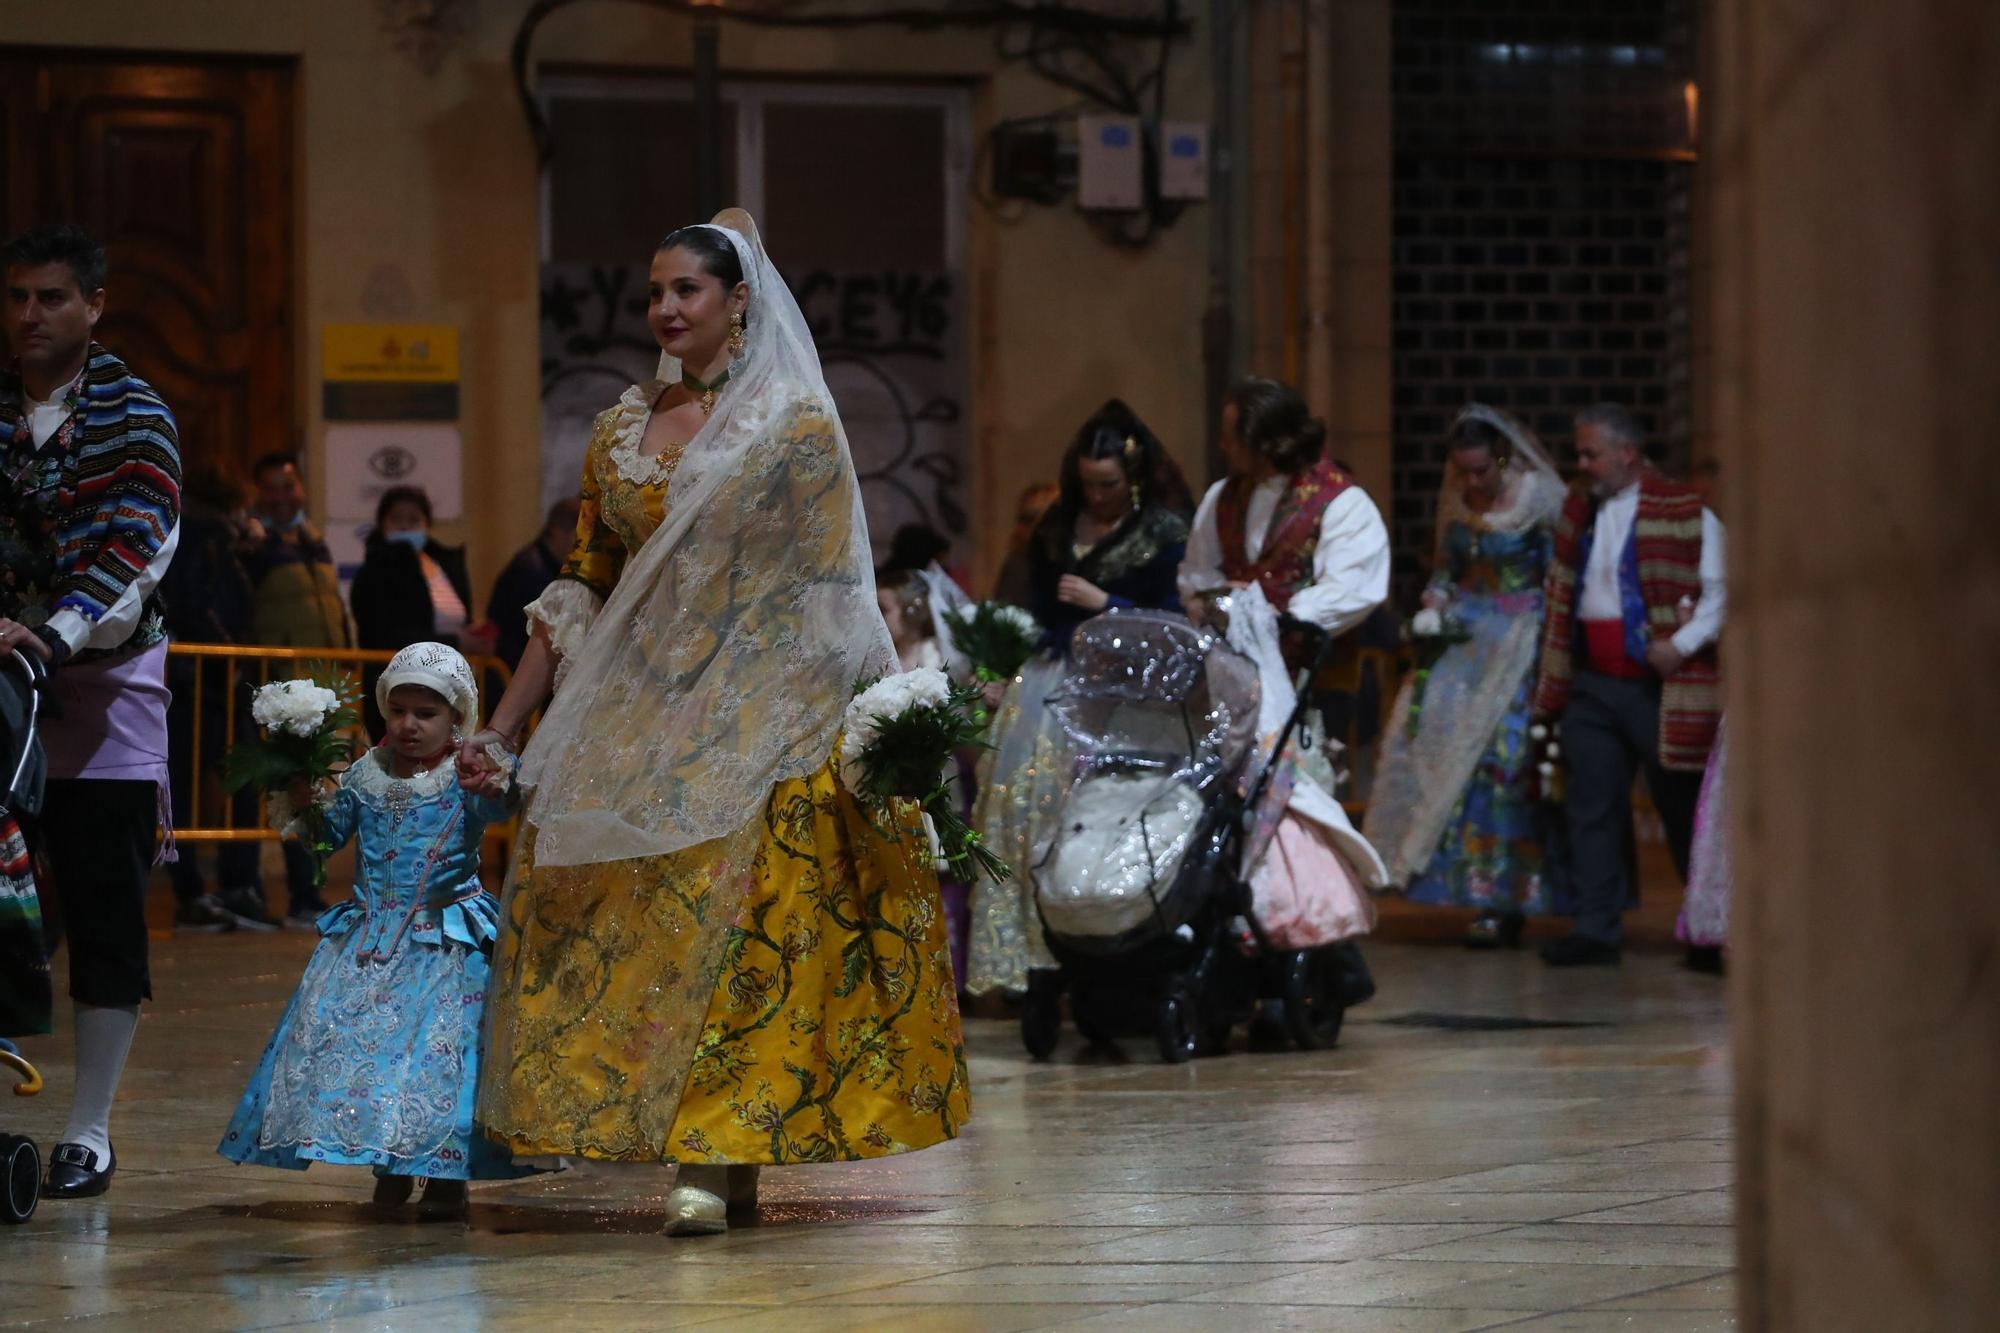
[396,353]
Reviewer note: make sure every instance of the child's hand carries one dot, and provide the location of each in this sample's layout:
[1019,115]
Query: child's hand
[480,770]
[492,782]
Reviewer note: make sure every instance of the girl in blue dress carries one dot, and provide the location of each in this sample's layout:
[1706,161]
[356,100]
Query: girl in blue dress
[376,1059]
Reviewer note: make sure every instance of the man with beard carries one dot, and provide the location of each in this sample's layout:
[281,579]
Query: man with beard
[1635,604]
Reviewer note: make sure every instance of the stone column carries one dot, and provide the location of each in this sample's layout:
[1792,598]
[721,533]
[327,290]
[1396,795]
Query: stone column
[1860,439]
[1331,305]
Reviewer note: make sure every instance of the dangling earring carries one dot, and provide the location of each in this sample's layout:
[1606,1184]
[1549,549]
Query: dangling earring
[735,335]
[1138,501]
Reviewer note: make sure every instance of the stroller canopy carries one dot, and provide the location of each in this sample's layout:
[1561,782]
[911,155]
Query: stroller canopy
[1160,718]
[1149,683]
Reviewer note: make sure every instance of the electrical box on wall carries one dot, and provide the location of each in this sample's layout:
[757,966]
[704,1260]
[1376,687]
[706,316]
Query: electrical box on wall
[1183,160]
[1030,161]
[1110,163]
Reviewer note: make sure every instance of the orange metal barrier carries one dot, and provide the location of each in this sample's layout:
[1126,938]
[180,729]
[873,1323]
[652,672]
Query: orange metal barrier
[242,668]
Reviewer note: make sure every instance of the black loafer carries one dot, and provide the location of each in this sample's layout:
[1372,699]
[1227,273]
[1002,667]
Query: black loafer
[73,1173]
[1579,951]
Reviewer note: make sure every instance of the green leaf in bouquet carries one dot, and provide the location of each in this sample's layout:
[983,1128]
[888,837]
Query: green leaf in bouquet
[260,764]
[992,640]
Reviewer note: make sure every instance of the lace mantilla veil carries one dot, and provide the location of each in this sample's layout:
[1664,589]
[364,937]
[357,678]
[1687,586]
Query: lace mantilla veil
[725,657]
[1535,490]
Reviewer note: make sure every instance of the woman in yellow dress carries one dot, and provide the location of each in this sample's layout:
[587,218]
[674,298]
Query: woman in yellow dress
[710,954]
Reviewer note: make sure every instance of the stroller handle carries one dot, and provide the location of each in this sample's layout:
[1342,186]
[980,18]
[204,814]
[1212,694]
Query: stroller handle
[1322,648]
[31,1078]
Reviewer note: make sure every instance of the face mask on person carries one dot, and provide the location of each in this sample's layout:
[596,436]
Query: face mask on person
[414,538]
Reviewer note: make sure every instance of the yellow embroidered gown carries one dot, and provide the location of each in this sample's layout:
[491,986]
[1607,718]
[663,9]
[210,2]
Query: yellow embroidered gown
[829,1016]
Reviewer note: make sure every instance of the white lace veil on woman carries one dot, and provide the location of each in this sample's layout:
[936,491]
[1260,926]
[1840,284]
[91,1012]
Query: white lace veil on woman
[1420,779]
[1536,494]
[723,660]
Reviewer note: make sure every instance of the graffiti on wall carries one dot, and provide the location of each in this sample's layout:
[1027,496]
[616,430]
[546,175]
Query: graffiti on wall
[892,345]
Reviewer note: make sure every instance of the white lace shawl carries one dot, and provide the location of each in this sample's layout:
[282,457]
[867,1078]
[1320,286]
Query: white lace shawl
[723,660]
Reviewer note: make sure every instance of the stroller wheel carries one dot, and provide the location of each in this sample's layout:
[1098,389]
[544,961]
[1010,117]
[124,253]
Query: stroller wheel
[1314,1005]
[1041,1015]
[1177,1032]
[22,1166]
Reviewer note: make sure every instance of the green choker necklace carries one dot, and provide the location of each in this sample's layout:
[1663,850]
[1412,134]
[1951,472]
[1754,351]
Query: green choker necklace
[707,391]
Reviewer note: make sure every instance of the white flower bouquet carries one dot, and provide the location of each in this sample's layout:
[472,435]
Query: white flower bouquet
[998,639]
[307,726]
[899,735]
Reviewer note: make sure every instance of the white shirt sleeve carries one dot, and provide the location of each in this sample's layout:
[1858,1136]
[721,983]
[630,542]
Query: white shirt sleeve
[122,616]
[1713,604]
[1350,565]
[1201,563]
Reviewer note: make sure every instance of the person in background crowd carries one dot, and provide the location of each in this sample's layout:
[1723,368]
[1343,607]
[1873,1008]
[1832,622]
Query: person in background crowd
[1013,585]
[905,599]
[412,588]
[1635,604]
[1113,539]
[1704,920]
[920,550]
[1286,518]
[1291,521]
[526,576]
[297,591]
[1453,809]
[89,519]
[297,606]
[209,600]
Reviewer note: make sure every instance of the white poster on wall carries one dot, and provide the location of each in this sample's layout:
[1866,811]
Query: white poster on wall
[365,458]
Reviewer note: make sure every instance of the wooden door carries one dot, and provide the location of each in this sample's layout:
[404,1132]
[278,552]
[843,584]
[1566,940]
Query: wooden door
[184,170]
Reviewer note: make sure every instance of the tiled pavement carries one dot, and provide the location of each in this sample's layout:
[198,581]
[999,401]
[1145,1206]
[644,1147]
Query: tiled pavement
[1417,1178]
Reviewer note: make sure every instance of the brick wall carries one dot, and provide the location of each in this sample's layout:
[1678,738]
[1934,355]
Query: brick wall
[1541,228]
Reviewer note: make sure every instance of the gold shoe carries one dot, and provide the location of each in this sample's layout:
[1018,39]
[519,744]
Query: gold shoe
[697,1206]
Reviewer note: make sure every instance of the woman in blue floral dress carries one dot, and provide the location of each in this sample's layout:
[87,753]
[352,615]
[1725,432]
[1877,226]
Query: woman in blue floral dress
[376,1060]
[1452,810]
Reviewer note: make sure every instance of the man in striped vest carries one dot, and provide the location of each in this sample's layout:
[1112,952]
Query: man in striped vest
[1635,607]
[90,478]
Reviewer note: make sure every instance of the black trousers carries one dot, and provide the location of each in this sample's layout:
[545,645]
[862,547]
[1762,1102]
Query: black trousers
[96,838]
[1611,732]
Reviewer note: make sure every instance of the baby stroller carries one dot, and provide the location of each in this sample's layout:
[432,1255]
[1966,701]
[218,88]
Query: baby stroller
[25,1000]
[1141,890]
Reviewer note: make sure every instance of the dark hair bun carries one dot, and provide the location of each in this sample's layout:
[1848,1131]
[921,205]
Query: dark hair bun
[1271,418]
[1303,449]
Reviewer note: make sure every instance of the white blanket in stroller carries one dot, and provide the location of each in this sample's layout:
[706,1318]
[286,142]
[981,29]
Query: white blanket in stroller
[1126,834]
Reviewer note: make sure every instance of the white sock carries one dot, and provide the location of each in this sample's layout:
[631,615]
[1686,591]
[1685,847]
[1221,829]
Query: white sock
[103,1037]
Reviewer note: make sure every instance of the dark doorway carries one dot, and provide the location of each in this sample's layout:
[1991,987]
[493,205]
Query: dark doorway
[184,168]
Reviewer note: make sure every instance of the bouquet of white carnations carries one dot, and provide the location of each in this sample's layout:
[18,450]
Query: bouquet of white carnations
[996,638]
[900,734]
[307,726]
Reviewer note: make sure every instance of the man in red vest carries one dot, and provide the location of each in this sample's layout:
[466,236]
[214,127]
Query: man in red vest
[1635,607]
